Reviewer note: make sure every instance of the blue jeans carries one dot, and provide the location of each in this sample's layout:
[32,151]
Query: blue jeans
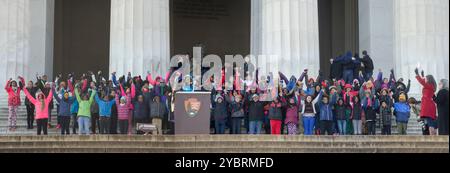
[342,125]
[308,124]
[220,127]
[357,127]
[367,76]
[255,127]
[236,125]
[348,76]
[84,123]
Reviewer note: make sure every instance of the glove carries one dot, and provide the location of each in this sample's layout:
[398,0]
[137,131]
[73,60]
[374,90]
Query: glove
[416,71]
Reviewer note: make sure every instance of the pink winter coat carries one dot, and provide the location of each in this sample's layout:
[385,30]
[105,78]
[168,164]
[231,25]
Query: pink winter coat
[13,96]
[40,113]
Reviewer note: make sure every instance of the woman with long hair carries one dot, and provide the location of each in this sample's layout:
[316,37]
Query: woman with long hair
[428,108]
[41,104]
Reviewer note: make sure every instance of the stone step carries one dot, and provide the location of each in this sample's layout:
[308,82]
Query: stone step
[221,144]
[225,150]
[237,138]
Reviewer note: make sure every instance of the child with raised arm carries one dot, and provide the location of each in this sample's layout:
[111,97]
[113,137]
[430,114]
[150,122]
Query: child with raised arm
[13,90]
[41,103]
[84,111]
[64,110]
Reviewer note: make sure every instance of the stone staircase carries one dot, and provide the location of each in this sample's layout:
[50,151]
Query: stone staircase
[224,144]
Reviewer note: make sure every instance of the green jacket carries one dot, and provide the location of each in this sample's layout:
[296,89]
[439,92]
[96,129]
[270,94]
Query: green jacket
[84,106]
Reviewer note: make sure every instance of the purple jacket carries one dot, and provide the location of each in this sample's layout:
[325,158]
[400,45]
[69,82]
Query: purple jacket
[292,111]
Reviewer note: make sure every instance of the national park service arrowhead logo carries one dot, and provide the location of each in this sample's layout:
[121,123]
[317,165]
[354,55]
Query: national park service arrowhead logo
[192,107]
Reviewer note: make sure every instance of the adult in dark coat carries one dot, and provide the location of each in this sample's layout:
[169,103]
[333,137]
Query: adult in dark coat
[442,105]
[336,68]
[368,66]
[30,106]
[357,67]
[114,120]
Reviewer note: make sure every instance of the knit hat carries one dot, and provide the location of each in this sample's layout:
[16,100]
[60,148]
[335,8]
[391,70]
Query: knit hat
[219,97]
[324,84]
[332,87]
[123,98]
[38,92]
[348,86]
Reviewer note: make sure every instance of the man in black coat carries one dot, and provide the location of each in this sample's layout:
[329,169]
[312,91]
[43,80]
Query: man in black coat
[336,68]
[368,66]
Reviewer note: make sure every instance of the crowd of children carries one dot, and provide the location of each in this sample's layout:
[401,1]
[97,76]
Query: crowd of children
[352,102]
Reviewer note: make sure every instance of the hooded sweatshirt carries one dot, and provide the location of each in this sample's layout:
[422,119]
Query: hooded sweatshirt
[104,106]
[84,106]
[41,111]
[64,104]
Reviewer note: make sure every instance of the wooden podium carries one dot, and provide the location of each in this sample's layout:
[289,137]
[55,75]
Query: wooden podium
[192,113]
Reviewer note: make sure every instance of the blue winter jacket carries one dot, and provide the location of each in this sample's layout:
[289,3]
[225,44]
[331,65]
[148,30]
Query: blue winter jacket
[326,110]
[64,105]
[104,106]
[402,112]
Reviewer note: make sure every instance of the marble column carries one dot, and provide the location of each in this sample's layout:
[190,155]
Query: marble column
[26,38]
[140,35]
[376,32]
[287,33]
[421,38]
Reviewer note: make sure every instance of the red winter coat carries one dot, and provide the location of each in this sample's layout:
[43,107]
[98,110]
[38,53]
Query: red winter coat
[428,108]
